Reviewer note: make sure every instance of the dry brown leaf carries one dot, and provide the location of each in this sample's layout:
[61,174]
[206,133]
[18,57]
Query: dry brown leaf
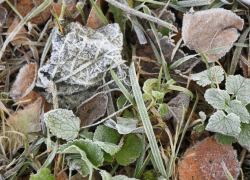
[25,6]
[92,109]
[94,21]
[3,15]
[204,161]
[210,29]
[21,34]
[70,4]
[24,121]
[25,81]
[62,176]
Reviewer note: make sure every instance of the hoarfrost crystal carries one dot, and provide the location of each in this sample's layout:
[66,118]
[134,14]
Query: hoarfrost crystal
[79,62]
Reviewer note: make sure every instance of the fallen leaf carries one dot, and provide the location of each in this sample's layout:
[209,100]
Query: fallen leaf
[210,29]
[92,109]
[25,6]
[24,121]
[94,21]
[62,176]
[204,161]
[3,15]
[24,82]
[70,5]
[21,34]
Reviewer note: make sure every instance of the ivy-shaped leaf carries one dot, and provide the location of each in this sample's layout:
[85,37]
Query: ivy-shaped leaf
[217,98]
[106,134]
[42,174]
[239,87]
[130,150]
[225,124]
[158,94]
[237,108]
[244,136]
[149,85]
[63,123]
[203,78]
[93,152]
[225,140]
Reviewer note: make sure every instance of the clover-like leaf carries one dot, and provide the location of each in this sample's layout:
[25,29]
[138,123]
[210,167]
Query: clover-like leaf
[63,123]
[219,30]
[130,150]
[207,77]
[239,87]
[237,108]
[163,109]
[42,174]
[106,134]
[92,151]
[225,124]
[217,98]
[158,94]
[225,140]
[149,85]
[244,136]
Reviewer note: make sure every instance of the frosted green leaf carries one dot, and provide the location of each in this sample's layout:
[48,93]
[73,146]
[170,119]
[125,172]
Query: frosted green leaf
[237,108]
[202,116]
[105,175]
[239,86]
[199,128]
[79,165]
[63,123]
[122,177]
[146,97]
[121,101]
[217,98]
[93,152]
[225,124]
[87,135]
[108,147]
[124,125]
[244,136]
[130,150]
[163,109]
[203,79]
[158,94]
[149,85]
[225,140]
[42,174]
[106,134]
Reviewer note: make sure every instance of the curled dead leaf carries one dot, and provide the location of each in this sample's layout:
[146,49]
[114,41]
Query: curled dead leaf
[204,161]
[210,29]
[92,109]
[3,15]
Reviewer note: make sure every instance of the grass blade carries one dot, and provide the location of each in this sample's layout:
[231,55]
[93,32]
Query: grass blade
[99,12]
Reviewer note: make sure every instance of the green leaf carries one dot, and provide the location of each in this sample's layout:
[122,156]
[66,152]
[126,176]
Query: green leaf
[105,175]
[79,165]
[130,150]
[202,116]
[217,98]
[93,152]
[149,85]
[42,174]
[158,94]
[110,148]
[124,125]
[225,140]
[244,136]
[118,17]
[203,79]
[63,123]
[163,109]
[237,108]
[199,128]
[146,97]
[87,135]
[239,87]
[106,134]
[225,124]
[121,101]
[99,12]
[122,177]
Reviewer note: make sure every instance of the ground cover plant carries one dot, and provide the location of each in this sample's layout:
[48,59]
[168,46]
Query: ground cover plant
[124,89]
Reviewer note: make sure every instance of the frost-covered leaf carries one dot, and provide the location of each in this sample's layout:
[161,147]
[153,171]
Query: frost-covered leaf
[110,148]
[219,30]
[203,78]
[121,101]
[130,150]
[146,97]
[87,135]
[158,94]
[63,123]
[124,125]
[149,85]
[79,165]
[42,174]
[202,116]
[225,140]
[239,86]
[80,60]
[225,124]
[122,177]
[106,176]
[217,98]
[199,128]
[163,109]
[92,109]
[244,136]
[237,108]
[93,152]
[106,134]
